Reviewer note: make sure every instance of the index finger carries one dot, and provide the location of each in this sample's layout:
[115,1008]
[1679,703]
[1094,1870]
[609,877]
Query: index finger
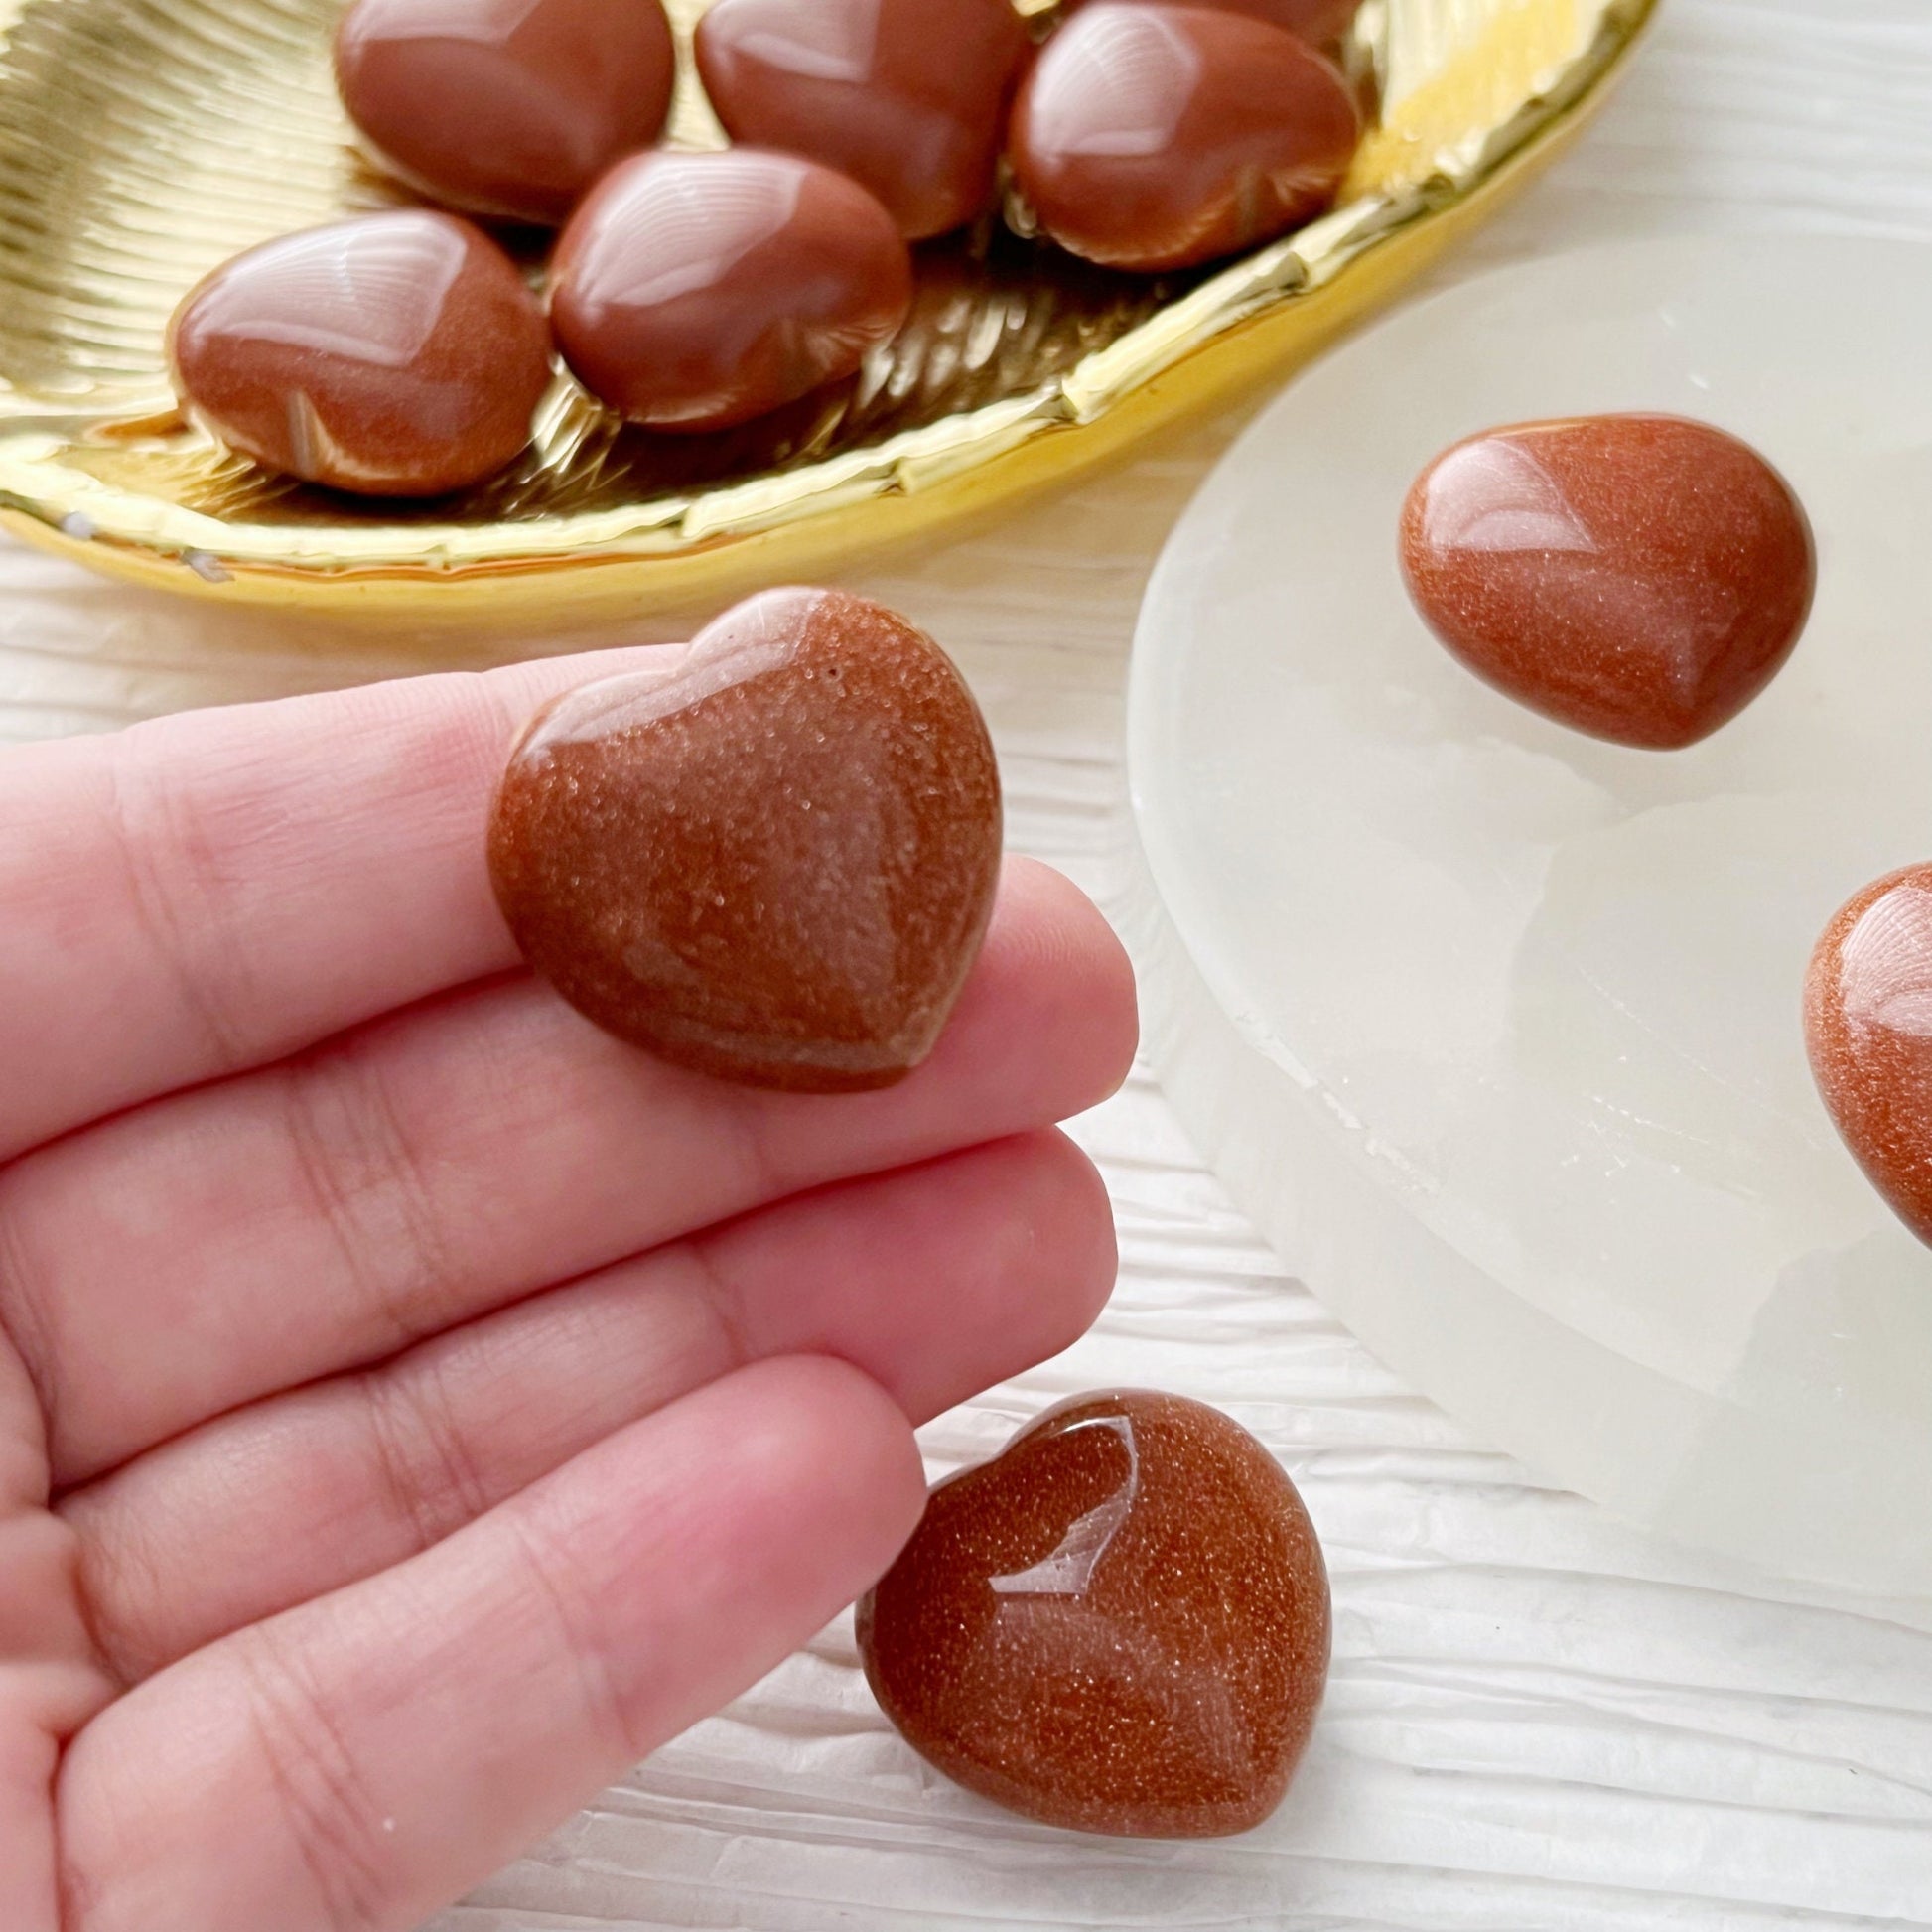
[216,890]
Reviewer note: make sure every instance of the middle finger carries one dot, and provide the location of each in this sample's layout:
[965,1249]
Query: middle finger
[935,1280]
[210,1249]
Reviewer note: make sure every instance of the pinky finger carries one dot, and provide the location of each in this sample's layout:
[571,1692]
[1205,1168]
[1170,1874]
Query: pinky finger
[354,1764]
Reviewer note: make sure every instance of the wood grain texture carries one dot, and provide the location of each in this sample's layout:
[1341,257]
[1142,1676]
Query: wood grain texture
[1540,1721]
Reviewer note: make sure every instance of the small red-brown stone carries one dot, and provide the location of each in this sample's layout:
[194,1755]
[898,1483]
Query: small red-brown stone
[1321,22]
[1154,137]
[396,355]
[906,96]
[697,291]
[1119,1625]
[1869,1031]
[774,863]
[1639,578]
[505,107]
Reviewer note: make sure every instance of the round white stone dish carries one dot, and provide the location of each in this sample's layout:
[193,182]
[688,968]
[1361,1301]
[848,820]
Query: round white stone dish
[1494,1028]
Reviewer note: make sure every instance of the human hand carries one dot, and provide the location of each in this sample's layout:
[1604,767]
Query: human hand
[415,1406]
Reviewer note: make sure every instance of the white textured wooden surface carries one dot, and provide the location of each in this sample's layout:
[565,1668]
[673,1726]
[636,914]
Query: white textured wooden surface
[1540,1721]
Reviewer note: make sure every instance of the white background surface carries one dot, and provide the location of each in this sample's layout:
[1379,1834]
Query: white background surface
[1492,1029]
[1539,1721]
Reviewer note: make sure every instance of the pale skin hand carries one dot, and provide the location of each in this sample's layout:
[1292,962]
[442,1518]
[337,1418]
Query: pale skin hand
[414,1406]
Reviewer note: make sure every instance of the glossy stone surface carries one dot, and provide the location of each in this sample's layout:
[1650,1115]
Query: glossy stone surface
[1321,22]
[775,862]
[1153,137]
[1869,1031]
[697,291]
[505,107]
[1640,578]
[396,355]
[906,96]
[1120,1624]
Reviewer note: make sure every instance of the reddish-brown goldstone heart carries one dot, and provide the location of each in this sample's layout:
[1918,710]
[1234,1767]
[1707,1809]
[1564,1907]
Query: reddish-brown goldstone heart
[1154,137]
[505,107]
[1868,1029]
[696,291]
[1640,578]
[396,355]
[906,96]
[1119,1625]
[774,863]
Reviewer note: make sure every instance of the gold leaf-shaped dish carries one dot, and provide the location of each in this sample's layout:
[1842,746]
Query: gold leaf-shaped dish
[144,141]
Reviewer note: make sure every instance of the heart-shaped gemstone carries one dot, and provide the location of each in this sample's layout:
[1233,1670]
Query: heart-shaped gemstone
[505,107]
[397,354]
[774,863]
[906,96]
[1869,1031]
[696,291]
[1154,136]
[1119,1625]
[1639,578]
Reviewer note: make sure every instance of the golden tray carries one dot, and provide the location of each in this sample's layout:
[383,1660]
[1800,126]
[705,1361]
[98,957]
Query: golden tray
[144,141]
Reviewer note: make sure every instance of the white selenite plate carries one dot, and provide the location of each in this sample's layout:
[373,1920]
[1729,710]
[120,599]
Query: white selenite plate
[1493,1028]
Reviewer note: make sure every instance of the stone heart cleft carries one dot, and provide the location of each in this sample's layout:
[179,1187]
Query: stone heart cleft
[1639,578]
[1119,1625]
[775,862]
[1869,1031]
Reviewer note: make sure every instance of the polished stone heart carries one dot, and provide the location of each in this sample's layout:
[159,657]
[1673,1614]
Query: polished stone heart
[1153,137]
[1119,1625]
[395,354]
[1639,578]
[774,863]
[695,292]
[510,108]
[906,96]
[1869,1031]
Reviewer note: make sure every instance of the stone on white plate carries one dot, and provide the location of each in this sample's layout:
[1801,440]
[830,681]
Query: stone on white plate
[1495,1028]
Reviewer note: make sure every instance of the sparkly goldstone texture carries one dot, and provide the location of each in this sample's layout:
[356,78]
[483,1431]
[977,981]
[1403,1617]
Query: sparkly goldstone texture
[395,354]
[775,862]
[1119,1625]
[1154,137]
[1639,578]
[1869,1029]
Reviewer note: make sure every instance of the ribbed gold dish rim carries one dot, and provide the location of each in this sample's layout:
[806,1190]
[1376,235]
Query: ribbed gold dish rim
[1475,92]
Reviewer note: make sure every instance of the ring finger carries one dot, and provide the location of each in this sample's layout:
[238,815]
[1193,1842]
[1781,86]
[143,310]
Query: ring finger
[936,1281]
